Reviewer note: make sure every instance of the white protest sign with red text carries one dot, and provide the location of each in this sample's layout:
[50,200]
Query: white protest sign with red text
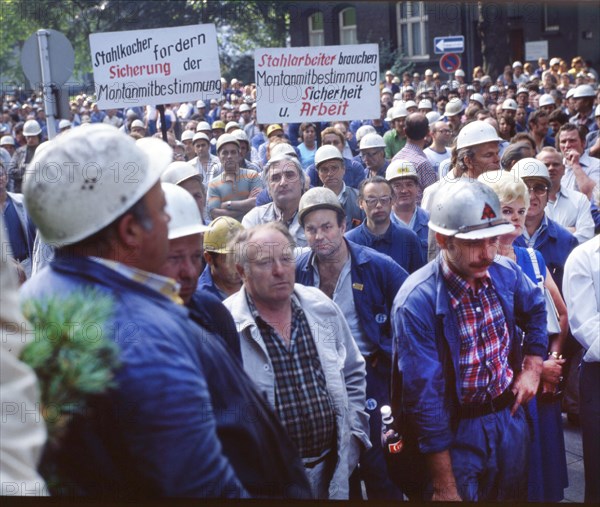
[322,83]
[157,66]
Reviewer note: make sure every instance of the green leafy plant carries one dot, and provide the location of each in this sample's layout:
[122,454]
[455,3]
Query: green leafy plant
[70,354]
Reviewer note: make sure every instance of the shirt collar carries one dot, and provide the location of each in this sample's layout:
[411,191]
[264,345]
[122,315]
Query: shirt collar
[458,287]
[166,286]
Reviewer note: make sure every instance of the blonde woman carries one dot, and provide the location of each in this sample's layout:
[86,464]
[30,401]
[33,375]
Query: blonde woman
[548,468]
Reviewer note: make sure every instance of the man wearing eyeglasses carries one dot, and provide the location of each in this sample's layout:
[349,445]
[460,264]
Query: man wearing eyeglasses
[553,241]
[363,283]
[379,232]
[286,182]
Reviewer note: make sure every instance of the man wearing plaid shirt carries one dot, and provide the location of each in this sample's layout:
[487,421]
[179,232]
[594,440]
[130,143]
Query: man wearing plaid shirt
[297,347]
[468,369]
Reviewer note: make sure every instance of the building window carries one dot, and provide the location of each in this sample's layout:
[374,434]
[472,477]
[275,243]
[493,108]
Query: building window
[316,35]
[348,26]
[551,18]
[412,29]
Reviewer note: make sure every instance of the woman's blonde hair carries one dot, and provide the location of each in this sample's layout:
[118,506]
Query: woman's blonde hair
[508,186]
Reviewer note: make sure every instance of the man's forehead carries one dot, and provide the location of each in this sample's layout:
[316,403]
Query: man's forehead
[320,217]
[377,188]
[550,158]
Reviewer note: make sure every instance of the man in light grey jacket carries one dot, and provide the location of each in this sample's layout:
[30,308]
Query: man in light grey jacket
[297,346]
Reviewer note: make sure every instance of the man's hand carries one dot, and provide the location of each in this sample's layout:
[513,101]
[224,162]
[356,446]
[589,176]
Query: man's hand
[572,157]
[527,381]
[442,477]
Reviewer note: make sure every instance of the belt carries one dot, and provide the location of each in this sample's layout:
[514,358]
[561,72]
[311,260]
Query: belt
[499,403]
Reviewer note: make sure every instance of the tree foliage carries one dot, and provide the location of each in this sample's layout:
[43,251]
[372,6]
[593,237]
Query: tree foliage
[242,26]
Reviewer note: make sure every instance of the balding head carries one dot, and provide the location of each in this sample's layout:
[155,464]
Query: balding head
[416,126]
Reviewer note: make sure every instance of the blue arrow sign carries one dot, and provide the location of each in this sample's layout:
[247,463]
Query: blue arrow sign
[450,44]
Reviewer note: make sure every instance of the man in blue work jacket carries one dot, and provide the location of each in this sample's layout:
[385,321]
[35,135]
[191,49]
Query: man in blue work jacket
[363,283]
[175,423]
[467,369]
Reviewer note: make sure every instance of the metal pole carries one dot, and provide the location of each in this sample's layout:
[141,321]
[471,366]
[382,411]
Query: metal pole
[49,101]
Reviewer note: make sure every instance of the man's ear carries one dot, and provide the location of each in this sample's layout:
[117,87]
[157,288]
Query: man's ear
[129,231]
[240,270]
[442,240]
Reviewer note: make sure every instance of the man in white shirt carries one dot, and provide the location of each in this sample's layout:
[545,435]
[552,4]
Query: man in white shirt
[581,290]
[569,208]
[438,151]
[583,171]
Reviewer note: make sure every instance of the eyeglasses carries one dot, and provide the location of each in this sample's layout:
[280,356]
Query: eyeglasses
[444,131]
[537,189]
[330,169]
[370,154]
[400,185]
[384,200]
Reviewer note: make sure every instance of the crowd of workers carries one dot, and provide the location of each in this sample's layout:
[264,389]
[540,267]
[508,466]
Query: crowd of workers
[284,282]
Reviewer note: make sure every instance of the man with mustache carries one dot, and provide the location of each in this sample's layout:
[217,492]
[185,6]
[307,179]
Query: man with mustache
[467,367]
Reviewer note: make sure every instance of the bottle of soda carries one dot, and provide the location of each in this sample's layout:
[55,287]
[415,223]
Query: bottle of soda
[391,440]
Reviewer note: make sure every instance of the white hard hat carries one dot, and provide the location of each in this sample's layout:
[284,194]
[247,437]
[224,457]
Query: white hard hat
[139,124]
[546,100]
[476,132]
[468,210]
[410,103]
[240,135]
[317,198]
[183,210]
[178,171]
[7,140]
[372,141]
[523,90]
[232,125]
[429,72]
[200,135]
[327,152]
[510,105]
[570,93]
[203,126]
[554,61]
[453,107]
[398,111]
[283,149]
[477,97]
[363,131]
[401,169]
[200,104]
[460,73]
[531,168]
[425,104]
[227,139]
[583,91]
[64,124]
[31,128]
[432,117]
[517,64]
[244,108]
[87,178]
[187,135]
[494,89]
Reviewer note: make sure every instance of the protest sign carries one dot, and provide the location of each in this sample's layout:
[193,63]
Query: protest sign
[317,83]
[157,66]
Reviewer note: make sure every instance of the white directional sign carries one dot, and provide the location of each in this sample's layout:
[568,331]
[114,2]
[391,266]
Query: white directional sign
[449,44]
